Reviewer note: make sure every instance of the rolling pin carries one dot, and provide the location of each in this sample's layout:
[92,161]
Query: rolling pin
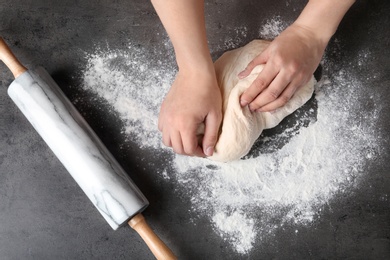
[80,150]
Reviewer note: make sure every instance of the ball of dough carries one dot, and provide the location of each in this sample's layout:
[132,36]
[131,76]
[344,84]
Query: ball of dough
[241,127]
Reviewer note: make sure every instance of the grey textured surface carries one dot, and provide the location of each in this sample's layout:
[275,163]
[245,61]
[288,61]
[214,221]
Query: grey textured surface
[43,213]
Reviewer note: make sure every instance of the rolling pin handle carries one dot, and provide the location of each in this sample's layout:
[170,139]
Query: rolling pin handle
[10,60]
[158,248]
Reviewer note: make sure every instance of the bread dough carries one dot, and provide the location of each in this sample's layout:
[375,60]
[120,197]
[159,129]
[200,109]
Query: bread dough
[241,127]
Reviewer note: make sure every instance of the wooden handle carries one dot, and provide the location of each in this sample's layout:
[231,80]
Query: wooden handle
[10,60]
[158,248]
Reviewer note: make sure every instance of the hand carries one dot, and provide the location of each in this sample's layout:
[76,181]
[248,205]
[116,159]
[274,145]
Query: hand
[290,60]
[194,99]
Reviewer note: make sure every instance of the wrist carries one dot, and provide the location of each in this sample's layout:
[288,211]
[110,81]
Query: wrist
[193,58]
[191,64]
[322,17]
[310,36]
[200,77]
[198,74]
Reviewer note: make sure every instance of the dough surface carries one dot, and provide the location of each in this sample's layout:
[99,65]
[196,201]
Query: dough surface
[241,127]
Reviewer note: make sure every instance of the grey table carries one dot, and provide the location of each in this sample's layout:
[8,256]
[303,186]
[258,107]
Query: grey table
[43,213]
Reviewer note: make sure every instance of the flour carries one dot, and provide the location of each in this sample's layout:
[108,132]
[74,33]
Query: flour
[315,155]
[237,229]
[272,28]
[133,87]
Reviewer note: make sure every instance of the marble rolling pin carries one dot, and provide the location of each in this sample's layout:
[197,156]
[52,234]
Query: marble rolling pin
[80,150]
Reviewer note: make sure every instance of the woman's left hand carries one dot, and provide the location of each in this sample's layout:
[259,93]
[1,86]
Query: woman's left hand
[290,60]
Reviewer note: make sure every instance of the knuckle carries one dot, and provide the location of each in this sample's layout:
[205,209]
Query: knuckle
[259,84]
[170,120]
[284,99]
[294,67]
[278,60]
[274,94]
[179,123]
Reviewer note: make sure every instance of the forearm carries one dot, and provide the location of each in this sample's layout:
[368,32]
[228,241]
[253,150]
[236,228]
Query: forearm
[185,25]
[322,17]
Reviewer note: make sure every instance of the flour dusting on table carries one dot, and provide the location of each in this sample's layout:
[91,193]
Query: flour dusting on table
[280,184]
[272,28]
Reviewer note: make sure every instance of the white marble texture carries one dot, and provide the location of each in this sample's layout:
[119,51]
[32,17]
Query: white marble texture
[76,145]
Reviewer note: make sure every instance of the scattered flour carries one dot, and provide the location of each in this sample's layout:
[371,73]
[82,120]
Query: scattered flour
[234,39]
[282,184]
[237,229]
[272,28]
[133,87]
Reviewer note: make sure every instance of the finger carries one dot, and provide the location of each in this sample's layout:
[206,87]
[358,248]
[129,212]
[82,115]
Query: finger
[177,144]
[266,76]
[165,134]
[282,100]
[190,143]
[260,59]
[286,95]
[166,139]
[212,123]
[271,93]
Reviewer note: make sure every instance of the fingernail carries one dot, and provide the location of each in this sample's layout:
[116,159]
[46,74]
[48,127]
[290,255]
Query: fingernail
[209,151]
[241,74]
[243,102]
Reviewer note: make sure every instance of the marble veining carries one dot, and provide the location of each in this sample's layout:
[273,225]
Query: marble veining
[77,146]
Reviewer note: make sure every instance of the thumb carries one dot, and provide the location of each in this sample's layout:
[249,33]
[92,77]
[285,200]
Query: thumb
[259,59]
[212,123]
